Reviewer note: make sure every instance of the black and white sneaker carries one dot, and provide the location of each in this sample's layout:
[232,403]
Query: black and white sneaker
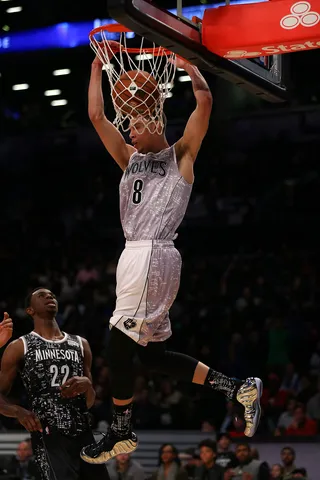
[249,395]
[108,447]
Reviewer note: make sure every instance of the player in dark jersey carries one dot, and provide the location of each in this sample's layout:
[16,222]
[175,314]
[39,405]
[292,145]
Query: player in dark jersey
[55,368]
[154,193]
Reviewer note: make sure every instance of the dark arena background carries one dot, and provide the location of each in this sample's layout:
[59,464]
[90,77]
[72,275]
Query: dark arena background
[250,242]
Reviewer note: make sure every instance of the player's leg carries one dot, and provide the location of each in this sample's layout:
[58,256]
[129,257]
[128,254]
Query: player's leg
[63,461]
[120,438]
[164,279]
[128,328]
[121,352]
[42,462]
[182,367]
[63,454]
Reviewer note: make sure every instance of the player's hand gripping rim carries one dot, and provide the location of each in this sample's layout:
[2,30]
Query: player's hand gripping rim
[101,47]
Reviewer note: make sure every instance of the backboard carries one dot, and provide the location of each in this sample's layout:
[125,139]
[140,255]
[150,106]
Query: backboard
[263,76]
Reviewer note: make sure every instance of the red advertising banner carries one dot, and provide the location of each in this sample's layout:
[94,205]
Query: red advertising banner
[260,29]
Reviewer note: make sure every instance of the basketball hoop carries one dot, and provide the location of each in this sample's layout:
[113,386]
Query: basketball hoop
[140,81]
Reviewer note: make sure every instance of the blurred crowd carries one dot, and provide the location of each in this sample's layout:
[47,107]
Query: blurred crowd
[248,302]
[243,308]
[209,460]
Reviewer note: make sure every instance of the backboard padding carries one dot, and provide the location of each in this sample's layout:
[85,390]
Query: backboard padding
[182,37]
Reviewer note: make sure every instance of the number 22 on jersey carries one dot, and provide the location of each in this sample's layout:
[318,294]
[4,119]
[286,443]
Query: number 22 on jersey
[64,371]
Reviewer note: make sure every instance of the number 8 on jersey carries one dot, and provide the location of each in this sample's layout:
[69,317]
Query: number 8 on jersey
[137,191]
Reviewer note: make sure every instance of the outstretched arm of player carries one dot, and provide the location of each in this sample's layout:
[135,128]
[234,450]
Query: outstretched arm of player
[188,146]
[81,385]
[10,362]
[110,136]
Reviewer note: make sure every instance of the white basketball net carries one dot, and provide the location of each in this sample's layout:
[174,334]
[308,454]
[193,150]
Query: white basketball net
[141,104]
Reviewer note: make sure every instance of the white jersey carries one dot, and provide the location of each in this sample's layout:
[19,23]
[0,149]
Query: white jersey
[153,196]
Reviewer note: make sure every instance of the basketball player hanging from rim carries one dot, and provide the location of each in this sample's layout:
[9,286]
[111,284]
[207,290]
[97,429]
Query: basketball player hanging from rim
[154,193]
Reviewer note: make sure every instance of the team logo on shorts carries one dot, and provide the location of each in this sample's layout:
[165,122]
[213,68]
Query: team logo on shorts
[130,323]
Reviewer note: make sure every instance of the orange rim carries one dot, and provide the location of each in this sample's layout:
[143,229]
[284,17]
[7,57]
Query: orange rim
[111,27]
[118,28]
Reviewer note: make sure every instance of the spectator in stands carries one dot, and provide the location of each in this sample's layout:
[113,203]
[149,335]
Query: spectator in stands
[301,425]
[225,457]
[190,459]
[290,381]
[315,361]
[169,401]
[88,273]
[288,456]
[169,465]
[313,405]
[273,399]
[123,467]
[277,472]
[306,390]
[230,411]
[22,464]
[237,427]
[208,426]
[286,417]
[247,468]
[146,414]
[209,470]
[300,473]
[255,453]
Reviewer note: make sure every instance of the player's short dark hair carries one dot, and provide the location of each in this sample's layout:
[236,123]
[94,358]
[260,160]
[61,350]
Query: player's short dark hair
[209,444]
[27,301]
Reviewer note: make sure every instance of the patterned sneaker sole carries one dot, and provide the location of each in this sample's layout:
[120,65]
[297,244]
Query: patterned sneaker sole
[250,399]
[124,446]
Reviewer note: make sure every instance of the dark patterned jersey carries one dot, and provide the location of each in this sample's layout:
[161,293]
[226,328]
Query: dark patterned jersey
[47,365]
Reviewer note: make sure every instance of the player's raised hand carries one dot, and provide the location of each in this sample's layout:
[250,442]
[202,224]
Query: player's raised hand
[97,61]
[180,62]
[6,328]
[105,50]
[29,420]
[75,386]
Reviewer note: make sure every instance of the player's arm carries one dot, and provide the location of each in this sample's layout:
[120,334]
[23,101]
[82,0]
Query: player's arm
[188,146]
[10,362]
[6,327]
[81,385]
[110,136]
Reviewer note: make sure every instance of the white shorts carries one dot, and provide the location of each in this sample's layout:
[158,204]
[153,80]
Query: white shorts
[148,279]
